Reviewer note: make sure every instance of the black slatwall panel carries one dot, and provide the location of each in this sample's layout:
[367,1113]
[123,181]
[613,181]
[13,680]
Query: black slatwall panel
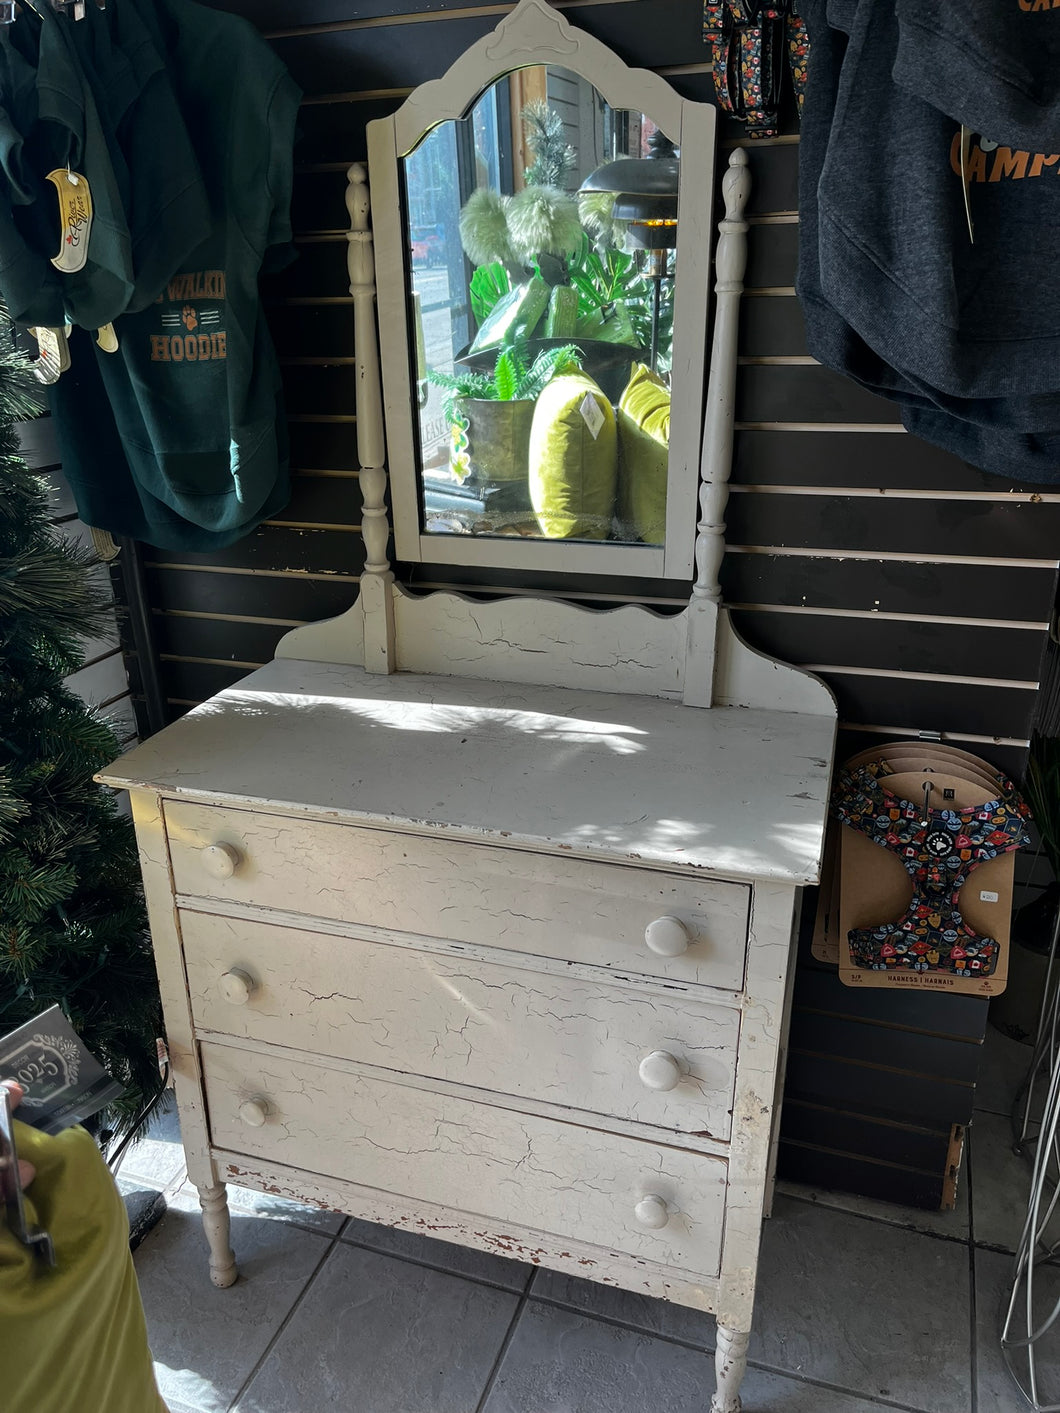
[918,586]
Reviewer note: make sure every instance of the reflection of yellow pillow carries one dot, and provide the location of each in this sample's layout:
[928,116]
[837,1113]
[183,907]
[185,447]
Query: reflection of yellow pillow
[572,472]
[644,442]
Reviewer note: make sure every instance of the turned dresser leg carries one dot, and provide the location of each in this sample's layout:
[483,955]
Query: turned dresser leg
[730,1365]
[217,1226]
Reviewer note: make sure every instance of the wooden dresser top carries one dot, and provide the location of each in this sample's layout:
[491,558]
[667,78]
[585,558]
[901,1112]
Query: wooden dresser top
[738,792]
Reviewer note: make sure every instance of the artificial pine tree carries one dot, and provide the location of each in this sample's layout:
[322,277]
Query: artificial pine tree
[72,924]
[546,137]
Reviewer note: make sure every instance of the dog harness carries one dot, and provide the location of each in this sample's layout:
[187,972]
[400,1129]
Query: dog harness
[938,848]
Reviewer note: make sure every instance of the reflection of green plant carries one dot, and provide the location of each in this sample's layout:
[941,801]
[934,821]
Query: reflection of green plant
[514,378]
[489,284]
[610,285]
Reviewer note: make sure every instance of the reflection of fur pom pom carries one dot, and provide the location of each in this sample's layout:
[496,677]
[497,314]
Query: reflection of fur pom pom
[596,210]
[484,227]
[542,218]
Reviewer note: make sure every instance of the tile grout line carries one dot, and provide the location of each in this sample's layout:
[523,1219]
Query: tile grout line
[426,1265]
[331,1243]
[506,1342]
[861,1394]
[880,1221]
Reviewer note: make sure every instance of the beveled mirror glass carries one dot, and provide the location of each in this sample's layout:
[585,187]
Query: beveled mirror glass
[543,403]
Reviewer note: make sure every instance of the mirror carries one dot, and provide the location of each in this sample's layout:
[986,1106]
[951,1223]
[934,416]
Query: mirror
[541,233]
[543,403]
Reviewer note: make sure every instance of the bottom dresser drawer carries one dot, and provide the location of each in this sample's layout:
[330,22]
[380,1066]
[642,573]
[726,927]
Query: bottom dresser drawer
[657,1203]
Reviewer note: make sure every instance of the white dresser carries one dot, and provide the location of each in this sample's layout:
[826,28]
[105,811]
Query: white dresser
[475,918]
[505,964]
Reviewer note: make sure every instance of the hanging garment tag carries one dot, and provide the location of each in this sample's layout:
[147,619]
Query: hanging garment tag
[591,414]
[54,356]
[107,338]
[75,219]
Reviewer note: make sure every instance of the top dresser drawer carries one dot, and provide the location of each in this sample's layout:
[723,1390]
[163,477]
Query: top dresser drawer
[542,904]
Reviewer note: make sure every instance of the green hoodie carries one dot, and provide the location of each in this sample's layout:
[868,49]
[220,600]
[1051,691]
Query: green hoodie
[195,388]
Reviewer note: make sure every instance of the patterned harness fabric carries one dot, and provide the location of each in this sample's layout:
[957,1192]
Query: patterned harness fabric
[938,849]
[748,40]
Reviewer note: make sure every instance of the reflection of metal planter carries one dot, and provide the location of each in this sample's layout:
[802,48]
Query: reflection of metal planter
[498,436]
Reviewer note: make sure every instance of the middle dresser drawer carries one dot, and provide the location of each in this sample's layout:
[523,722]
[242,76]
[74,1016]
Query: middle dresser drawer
[611,1049]
[543,904]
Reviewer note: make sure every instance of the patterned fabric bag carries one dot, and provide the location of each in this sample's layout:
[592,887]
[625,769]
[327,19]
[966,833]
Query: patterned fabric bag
[748,40]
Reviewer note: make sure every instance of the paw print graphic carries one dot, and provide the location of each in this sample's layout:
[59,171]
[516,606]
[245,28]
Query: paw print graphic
[189,318]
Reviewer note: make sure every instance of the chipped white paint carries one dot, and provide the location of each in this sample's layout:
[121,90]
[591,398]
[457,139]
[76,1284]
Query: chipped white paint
[497,1164]
[572,1043]
[216,1223]
[504,898]
[730,1365]
[569,1254]
[632,649]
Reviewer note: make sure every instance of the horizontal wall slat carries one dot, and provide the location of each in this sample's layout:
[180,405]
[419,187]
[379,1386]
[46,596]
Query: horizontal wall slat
[772,325]
[253,595]
[772,256]
[648,34]
[826,1079]
[323,500]
[319,272]
[901,644]
[806,394]
[797,1162]
[959,1017]
[930,527]
[987,591]
[216,638]
[850,1039]
[321,331]
[196,681]
[322,388]
[856,459]
[270,547]
[323,446]
[940,706]
[915,1147]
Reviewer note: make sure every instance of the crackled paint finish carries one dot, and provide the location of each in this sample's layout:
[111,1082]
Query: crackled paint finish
[572,1042]
[511,899]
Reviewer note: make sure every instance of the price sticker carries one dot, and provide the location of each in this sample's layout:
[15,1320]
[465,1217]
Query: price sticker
[591,414]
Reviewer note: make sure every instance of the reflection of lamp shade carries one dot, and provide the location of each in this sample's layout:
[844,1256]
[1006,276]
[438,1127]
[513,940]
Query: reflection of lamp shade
[645,190]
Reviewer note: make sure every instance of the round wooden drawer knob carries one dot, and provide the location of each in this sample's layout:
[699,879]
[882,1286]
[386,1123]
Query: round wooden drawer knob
[660,1071]
[652,1212]
[237,987]
[221,860]
[667,937]
[254,1112]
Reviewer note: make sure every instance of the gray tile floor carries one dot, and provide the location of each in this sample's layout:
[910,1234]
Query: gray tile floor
[861,1306]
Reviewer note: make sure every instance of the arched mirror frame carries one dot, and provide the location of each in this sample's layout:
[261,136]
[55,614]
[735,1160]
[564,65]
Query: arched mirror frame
[536,35]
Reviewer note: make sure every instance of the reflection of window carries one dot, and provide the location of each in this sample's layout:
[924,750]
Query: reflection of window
[551,272]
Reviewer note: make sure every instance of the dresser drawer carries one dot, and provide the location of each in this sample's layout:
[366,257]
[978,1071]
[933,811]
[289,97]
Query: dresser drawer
[553,1038]
[542,904]
[506,1167]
